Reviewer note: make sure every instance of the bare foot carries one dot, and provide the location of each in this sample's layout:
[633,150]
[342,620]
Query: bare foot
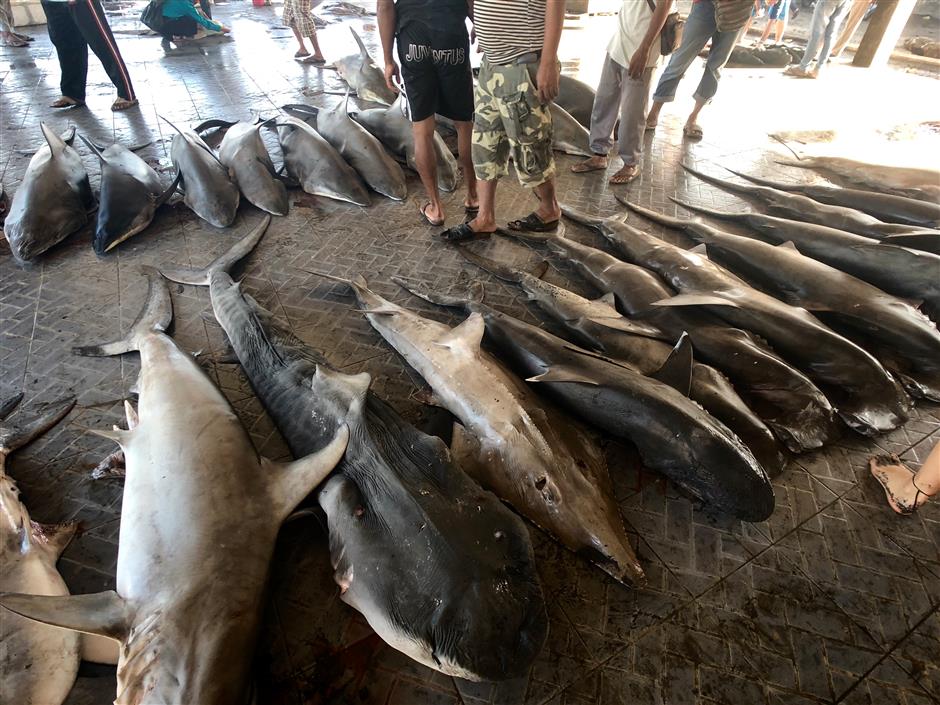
[626,174]
[898,483]
[596,163]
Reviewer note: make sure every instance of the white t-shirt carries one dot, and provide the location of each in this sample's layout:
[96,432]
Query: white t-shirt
[632,22]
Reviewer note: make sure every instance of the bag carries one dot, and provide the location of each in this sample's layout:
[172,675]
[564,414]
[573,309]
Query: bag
[670,36]
[152,16]
[731,15]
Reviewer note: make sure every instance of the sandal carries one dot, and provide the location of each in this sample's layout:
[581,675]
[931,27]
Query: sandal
[313,60]
[590,164]
[461,233]
[424,214]
[13,41]
[901,508]
[66,102]
[300,53]
[692,132]
[533,224]
[122,104]
[626,174]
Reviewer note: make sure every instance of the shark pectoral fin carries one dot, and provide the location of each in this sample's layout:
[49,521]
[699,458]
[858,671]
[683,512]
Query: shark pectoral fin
[465,450]
[562,374]
[116,434]
[676,370]
[468,334]
[100,649]
[54,537]
[294,481]
[132,418]
[170,190]
[696,300]
[103,613]
[13,437]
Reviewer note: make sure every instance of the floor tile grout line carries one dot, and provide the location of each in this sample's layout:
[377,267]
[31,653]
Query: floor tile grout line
[32,332]
[887,654]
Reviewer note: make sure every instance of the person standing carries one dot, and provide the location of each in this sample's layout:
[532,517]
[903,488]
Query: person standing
[9,37]
[434,51]
[518,79]
[298,15]
[776,21]
[624,88]
[74,26]
[827,19]
[701,25]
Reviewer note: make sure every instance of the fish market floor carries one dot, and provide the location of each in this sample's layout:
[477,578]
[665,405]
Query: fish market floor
[832,600]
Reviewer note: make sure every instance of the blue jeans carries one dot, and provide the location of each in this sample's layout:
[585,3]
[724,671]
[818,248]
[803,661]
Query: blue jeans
[699,28]
[827,19]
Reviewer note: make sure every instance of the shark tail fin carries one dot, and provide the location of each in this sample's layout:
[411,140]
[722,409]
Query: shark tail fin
[660,218]
[726,215]
[362,47]
[502,271]
[581,217]
[102,613]
[222,263]
[13,437]
[156,315]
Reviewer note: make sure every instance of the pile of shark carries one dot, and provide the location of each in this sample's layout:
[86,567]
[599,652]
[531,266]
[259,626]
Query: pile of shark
[332,153]
[718,363]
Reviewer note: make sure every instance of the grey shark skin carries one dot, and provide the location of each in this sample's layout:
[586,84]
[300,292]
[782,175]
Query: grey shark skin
[795,206]
[319,168]
[898,270]
[440,568]
[867,397]
[363,76]
[924,241]
[52,202]
[208,186]
[789,403]
[38,662]
[921,184]
[243,151]
[393,129]
[524,451]
[359,147]
[568,135]
[598,326]
[674,435]
[904,338]
[130,194]
[577,98]
[200,516]
[895,211]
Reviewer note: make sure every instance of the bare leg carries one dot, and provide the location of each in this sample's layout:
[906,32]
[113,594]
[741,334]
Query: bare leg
[653,118]
[464,137]
[485,222]
[763,37]
[781,28]
[300,42]
[426,161]
[548,209]
[317,54]
[905,490]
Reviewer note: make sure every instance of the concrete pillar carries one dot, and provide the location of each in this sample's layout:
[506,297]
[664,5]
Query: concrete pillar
[27,12]
[883,31]
[576,7]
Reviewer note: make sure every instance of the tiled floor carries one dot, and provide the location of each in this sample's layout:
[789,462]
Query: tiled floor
[832,600]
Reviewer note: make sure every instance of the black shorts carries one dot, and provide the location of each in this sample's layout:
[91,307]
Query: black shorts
[435,68]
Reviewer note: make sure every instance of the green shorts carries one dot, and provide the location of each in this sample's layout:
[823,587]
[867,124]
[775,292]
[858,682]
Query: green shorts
[511,121]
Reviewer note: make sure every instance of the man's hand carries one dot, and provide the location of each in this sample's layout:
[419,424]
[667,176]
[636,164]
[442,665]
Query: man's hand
[547,79]
[391,73]
[225,30]
[638,61]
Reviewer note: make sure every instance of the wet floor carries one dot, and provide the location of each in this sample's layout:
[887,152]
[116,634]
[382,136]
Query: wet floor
[832,600]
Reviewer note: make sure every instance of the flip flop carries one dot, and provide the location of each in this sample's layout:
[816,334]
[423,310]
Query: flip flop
[314,61]
[461,233]
[424,214]
[617,178]
[584,168]
[692,132]
[300,53]
[66,102]
[121,104]
[533,224]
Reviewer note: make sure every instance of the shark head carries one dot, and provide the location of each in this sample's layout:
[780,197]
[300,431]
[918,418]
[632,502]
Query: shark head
[14,517]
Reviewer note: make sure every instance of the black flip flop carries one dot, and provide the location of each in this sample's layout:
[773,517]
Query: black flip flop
[461,233]
[424,214]
[533,224]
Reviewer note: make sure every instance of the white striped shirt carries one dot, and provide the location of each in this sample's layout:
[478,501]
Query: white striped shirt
[509,28]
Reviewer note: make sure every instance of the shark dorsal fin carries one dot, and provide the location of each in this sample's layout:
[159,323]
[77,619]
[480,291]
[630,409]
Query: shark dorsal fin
[56,143]
[607,299]
[103,613]
[95,149]
[788,245]
[700,249]
[468,334]
[362,47]
[358,385]
[676,370]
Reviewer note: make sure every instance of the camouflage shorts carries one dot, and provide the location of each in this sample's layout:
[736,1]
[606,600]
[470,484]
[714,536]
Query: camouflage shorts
[511,121]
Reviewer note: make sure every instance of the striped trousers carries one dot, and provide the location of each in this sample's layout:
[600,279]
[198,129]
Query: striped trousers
[74,27]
